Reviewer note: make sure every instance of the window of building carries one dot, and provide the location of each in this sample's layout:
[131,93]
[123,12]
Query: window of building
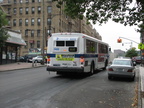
[26,44]
[33,10]
[31,45]
[14,10]
[9,22]
[38,33]
[38,21]
[27,9]
[39,9]
[20,1]
[9,1]
[15,1]
[38,44]
[32,33]
[49,31]
[39,1]
[20,10]
[49,9]
[9,10]
[14,22]
[48,21]
[20,22]
[26,32]
[33,1]
[26,22]
[32,21]
[27,1]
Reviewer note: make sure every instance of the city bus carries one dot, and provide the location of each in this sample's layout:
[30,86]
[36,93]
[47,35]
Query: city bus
[76,52]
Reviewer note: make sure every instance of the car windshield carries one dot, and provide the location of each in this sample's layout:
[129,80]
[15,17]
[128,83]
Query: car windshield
[121,62]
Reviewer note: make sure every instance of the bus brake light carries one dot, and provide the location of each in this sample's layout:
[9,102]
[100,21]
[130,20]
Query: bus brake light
[48,59]
[81,59]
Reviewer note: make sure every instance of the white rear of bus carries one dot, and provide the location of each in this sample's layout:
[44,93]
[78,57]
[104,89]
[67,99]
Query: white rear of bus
[65,53]
[75,52]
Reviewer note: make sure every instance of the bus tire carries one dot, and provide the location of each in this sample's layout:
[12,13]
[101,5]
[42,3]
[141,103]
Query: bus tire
[106,63]
[92,69]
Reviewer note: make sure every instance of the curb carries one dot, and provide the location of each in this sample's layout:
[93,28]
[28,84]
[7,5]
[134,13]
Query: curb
[141,86]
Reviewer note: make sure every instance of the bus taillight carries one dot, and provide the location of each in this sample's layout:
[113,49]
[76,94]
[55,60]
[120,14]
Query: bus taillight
[48,59]
[82,59]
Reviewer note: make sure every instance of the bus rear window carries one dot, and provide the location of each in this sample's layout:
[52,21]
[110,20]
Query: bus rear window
[69,43]
[65,43]
[59,43]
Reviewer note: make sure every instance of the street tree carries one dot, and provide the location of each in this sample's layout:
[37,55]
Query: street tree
[127,12]
[3,32]
[131,53]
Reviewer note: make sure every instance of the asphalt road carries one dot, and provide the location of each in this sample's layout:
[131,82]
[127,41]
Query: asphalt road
[36,88]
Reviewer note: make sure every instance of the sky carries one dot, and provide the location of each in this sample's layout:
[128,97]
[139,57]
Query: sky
[111,31]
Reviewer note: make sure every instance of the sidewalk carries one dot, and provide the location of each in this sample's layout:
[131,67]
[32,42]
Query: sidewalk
[141,70]
[18,65]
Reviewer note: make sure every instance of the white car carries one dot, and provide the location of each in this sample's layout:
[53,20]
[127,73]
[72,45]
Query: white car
[37,59]
[122,67]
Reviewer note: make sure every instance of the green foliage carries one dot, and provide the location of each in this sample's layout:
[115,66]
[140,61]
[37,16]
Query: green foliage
[121,11]
[131,53]
[3,33]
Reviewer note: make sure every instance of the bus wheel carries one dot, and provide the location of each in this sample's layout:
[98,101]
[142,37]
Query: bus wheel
[92,69]
[106,63]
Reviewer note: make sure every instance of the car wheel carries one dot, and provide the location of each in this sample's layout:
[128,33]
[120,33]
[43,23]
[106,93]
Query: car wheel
[109,77]
[133,78]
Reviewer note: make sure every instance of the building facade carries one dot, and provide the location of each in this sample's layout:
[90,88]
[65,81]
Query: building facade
[37,19]
[10,52]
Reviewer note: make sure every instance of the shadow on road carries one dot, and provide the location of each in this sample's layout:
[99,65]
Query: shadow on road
[75,75]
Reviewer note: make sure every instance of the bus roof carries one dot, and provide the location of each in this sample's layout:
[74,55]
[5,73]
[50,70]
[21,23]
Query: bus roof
[77,34]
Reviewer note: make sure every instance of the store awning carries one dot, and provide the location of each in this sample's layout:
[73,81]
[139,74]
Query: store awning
[16,40]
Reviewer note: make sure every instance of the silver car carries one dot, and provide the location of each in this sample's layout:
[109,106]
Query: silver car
[37,59]
[122,67]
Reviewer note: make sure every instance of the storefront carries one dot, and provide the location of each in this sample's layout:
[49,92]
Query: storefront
[10,52]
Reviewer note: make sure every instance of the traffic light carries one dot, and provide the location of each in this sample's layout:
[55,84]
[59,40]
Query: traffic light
[119,40]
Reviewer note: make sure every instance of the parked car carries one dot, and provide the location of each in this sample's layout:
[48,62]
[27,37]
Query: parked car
[29,57]
[122,67]
[37,59]
[22,59]
[137,59]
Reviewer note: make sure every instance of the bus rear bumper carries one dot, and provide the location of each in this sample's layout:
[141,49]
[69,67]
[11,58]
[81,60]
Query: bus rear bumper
[66,69]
